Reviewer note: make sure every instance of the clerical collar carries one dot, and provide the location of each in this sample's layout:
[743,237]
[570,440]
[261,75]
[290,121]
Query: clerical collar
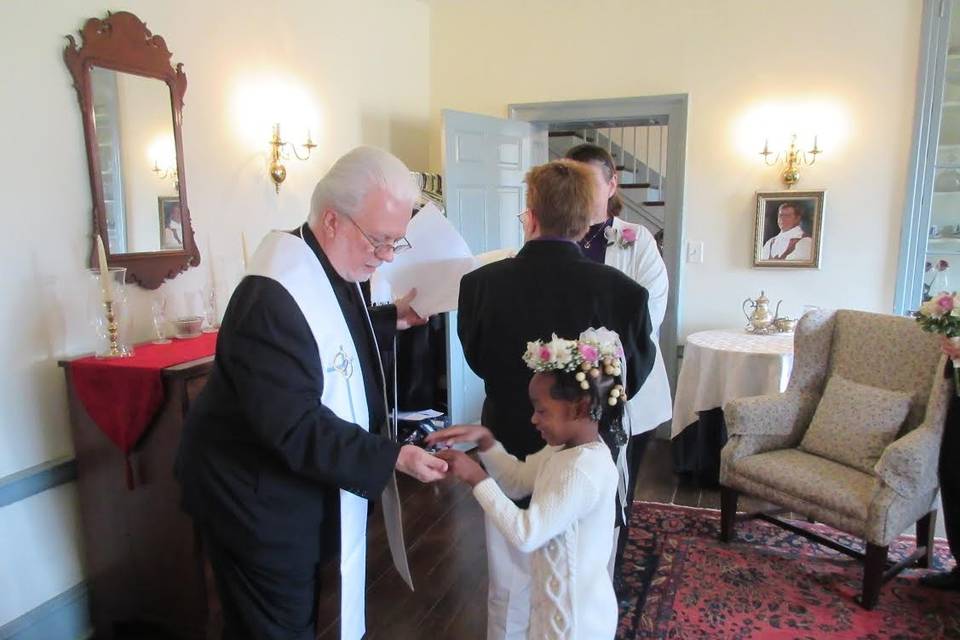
[306,234]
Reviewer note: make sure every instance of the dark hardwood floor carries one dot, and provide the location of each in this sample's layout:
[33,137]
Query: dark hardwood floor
[444,534]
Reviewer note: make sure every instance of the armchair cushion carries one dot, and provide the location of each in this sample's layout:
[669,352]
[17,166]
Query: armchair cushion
[813,479]
[854,423]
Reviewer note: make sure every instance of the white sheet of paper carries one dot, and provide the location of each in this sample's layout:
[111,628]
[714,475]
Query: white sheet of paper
[434,264]
[425,414]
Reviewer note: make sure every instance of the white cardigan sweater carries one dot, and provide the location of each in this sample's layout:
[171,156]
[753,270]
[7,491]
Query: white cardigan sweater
[568,529]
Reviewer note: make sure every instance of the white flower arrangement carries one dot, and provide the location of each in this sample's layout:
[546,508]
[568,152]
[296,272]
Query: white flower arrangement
[594,350]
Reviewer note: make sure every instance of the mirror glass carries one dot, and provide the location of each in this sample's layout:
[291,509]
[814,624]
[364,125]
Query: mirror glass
[133,120]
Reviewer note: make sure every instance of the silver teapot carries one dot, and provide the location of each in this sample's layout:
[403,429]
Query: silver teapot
[759,318]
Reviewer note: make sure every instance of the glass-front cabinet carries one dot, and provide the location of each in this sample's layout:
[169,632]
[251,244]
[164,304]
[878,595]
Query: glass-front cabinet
[930,243]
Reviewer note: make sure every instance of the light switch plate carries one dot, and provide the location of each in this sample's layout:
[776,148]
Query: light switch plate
[695,252]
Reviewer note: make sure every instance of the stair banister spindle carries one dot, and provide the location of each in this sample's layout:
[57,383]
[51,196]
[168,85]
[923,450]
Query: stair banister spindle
[646,157]
[623,157]
[662,160]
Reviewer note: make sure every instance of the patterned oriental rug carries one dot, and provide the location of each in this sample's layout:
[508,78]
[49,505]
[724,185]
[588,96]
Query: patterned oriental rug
[680,581]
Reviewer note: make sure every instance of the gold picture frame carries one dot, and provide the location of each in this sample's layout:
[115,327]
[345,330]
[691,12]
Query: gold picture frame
[167,206]
[788,231]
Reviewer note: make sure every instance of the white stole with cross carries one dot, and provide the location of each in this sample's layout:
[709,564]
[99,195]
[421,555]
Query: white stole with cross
[288,260]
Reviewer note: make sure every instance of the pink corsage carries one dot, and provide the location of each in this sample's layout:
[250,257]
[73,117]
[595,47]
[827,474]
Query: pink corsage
[623,238]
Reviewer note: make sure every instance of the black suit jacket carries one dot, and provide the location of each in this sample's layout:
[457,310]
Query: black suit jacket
[261,459]
[550,287]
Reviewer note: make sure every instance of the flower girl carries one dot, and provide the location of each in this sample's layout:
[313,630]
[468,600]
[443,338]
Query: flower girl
[577,396]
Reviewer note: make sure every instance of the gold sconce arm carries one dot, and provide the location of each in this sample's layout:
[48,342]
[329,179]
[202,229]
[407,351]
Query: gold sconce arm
[766,153]
[164,174]
[280,150]
[793,158]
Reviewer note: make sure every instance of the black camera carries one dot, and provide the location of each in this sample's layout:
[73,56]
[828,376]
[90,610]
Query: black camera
[415,431]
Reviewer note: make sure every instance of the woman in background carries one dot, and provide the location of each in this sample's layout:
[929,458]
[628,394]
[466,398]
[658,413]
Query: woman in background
[631,249]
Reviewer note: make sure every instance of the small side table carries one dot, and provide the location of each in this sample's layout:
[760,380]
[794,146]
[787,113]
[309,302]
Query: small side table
[719,366]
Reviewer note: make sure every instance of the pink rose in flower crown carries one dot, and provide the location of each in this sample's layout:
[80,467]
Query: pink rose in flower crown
[545,354]
[945,303]
[589,352]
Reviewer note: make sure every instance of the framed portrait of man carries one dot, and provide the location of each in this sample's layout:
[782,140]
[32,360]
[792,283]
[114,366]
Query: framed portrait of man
[171,229]
[789,229]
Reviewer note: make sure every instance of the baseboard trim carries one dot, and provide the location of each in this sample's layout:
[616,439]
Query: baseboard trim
[23,484]
[63,617]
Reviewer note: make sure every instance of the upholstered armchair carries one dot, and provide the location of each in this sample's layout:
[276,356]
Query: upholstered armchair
[880,487]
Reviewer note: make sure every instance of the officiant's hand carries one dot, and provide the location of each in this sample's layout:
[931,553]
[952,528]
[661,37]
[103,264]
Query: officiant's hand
[406,316]
[419,464]
[463,466]
[461,433]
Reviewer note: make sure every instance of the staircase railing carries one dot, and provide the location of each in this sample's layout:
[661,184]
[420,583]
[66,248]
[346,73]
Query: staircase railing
[626,145]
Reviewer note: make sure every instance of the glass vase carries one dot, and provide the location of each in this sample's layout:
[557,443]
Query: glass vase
[158,316]
[210,310]
[110,318]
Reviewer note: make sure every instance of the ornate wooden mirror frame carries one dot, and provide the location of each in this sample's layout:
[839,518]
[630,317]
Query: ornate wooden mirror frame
[122,42]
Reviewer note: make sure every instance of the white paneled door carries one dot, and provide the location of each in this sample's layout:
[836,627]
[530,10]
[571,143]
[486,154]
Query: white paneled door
[484,163]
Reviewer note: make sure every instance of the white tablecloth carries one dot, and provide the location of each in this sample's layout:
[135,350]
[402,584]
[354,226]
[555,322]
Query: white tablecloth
[719,366]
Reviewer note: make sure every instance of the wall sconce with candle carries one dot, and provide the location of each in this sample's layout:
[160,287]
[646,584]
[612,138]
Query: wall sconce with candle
[792,159]
[164,155]
[281,150]
[167,173]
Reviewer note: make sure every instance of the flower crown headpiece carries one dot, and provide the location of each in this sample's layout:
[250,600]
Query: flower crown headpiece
[595,350]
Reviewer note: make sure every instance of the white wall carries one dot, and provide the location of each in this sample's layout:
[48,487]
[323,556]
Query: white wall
[362,68]
[854,63]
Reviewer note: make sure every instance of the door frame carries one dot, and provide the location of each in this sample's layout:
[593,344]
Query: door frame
[923,156]
[674,106]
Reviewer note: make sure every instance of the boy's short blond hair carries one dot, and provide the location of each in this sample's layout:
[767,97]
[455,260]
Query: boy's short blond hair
[560,195]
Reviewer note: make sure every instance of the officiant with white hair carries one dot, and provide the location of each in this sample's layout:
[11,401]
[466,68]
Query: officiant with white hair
[289,438]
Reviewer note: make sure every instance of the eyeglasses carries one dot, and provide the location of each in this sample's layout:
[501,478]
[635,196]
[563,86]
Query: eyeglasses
[382,250]
[522,215]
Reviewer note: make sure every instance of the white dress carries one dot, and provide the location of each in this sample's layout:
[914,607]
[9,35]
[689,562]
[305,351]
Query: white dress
[567,529]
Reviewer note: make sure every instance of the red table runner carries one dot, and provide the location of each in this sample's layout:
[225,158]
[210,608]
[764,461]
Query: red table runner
[122,395]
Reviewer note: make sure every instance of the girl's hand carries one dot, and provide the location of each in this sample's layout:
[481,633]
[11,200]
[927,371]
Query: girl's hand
[462,466]
[462,433]
[950,348]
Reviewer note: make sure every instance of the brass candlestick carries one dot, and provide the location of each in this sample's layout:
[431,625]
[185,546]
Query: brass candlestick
[113,332]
